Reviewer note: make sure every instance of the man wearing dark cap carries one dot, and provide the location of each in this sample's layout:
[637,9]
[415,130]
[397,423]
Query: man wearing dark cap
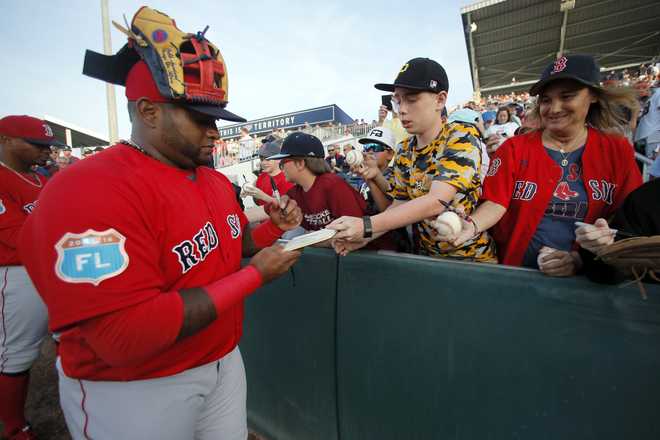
[438,165]
[321,195]
[24,142]
[141,273]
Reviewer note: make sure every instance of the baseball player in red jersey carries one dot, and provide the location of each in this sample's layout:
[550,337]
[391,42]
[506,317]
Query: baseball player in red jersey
[24,142]
[141,272]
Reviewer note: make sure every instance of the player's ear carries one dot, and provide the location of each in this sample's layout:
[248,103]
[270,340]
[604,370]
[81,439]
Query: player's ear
[147,112]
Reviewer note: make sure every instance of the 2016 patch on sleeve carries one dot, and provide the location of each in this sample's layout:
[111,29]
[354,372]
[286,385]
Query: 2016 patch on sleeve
[91,257]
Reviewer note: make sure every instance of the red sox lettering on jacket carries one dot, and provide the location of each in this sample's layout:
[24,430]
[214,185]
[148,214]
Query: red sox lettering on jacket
[523,179]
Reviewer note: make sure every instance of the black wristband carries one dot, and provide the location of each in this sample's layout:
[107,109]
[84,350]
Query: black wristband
[368,230]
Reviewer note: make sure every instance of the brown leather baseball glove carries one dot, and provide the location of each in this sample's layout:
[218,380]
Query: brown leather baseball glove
[639,257]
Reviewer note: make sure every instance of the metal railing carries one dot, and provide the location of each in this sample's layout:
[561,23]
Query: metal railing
[646,165]
[247,149]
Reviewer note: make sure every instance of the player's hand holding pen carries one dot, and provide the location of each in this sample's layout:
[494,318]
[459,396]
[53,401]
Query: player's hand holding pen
[285,213]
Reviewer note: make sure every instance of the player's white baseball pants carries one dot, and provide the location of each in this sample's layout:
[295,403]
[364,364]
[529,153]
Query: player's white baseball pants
[23,320]
[202,403]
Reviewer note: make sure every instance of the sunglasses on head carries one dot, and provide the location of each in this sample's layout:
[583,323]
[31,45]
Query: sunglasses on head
[374,147]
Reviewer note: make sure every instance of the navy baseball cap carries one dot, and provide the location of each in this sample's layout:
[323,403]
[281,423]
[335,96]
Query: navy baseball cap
[421,74]
[300,144]
[581,68]
[270,148]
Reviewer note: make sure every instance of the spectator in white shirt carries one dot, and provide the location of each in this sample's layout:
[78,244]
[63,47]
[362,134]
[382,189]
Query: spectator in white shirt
[648,128]
[501,130]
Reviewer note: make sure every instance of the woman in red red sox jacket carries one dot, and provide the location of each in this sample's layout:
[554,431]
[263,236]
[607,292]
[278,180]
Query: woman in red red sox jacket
[577,167]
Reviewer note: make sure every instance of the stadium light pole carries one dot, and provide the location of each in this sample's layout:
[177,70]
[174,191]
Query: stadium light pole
[109,88]
[472,27]
[565,6]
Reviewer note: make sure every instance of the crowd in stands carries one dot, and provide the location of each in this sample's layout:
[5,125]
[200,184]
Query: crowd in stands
[62,157]
[233,151]
[492,193]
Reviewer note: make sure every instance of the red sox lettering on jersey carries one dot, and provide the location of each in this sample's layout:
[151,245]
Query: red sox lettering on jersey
[191,252]
[523,178]
[602,190]
[524,190]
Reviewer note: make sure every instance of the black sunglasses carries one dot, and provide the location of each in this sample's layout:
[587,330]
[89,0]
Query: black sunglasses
[376,148]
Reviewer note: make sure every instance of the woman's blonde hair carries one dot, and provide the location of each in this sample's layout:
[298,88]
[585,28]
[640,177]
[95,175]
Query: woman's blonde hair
[610,113]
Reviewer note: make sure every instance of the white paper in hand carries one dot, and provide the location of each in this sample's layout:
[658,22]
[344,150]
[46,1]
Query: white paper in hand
[309,239]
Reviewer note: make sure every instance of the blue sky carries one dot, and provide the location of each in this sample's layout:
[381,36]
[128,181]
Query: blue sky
[281,56]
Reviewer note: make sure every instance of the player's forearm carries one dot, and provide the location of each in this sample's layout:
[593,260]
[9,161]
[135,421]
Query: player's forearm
[202,305]
[135,334]
[488,214]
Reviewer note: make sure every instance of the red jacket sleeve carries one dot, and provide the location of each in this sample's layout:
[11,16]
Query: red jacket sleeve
[500,180]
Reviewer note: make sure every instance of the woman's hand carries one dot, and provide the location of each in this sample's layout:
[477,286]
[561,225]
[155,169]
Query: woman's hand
[560,263]
[595,237]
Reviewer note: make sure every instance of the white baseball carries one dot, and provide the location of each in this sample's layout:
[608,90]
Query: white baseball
[354,158]
[448,224]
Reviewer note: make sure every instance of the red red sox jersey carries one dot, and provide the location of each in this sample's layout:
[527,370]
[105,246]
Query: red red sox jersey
[329,198]
[120,228]
[18,198]
[523,177]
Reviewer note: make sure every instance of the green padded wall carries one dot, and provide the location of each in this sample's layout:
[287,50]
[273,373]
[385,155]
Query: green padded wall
[376,346]
[437,349]
[288,347]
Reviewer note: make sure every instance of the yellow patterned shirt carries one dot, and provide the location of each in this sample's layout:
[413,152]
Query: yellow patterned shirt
[454,157]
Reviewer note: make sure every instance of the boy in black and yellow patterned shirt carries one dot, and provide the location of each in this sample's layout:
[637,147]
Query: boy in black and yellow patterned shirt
[439,162]
[454,157]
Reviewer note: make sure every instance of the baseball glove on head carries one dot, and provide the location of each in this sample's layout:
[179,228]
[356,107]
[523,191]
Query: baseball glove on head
[185,67]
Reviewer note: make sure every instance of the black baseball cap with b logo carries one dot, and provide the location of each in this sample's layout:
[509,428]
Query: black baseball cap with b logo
[421,74]
[581,68]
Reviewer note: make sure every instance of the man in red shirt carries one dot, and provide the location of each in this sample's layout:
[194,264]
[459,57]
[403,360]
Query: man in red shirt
[141,272]
[271,169]
[24,142]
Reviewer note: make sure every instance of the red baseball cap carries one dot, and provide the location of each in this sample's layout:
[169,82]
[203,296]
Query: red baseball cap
[32,130]
[140,84]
